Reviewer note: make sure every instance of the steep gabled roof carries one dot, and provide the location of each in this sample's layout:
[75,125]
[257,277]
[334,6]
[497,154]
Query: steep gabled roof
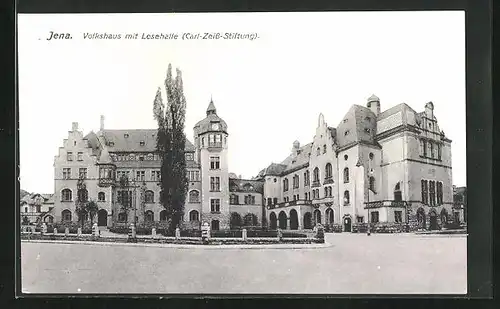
[358,125]
[134,140]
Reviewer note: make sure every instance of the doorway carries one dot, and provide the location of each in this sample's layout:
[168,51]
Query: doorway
[102,218]
[347,224]
[433,225]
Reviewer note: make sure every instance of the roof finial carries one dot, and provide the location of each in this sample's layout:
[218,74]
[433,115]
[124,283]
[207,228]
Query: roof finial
[211,107]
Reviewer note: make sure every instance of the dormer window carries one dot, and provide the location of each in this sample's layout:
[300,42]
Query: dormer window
[125,135]
[346,133]
[111,144]
[141,143]
[345,120]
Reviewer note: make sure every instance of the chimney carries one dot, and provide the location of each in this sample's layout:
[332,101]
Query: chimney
[74,126]
[102,123]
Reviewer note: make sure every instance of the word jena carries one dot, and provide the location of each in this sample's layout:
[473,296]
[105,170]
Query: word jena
[57,36]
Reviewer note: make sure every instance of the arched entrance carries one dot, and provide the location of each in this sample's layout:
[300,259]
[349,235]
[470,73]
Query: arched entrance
[294,220]
[282,220]
[307,220]
[273,221]
[329,216]
[421,218]
[102,217]
[433,224]
[347,224]
[317,216]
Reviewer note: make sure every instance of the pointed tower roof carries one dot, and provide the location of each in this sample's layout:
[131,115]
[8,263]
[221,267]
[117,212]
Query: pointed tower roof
[373,98]
[211,108]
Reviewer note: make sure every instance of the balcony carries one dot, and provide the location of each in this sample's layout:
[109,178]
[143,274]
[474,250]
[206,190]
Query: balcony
[105,182]
[316,184]
[291,203]
[215,145]
[386,203]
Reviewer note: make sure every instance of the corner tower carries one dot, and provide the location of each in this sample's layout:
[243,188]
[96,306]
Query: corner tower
[210,138]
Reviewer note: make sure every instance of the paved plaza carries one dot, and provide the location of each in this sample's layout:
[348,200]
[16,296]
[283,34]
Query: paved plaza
[353,264]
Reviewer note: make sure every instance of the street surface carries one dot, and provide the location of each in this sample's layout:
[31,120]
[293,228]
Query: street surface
[354,264]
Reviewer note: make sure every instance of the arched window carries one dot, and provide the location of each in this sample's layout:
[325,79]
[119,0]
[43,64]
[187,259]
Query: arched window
[346,175]
[372,183]
[149,196]
[250,220]
[101,197]
[316,175]
[122,217]
[66,215]
[49,219]
[371,156]
[329,216]
[328,171]
[317,216]
[318,151]
[397,192]
[66,195]
[163,215]
[149,216]
[346,198]
[83,195]
[194,215]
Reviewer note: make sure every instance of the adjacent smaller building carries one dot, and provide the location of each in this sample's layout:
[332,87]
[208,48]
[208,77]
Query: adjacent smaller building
[36,208]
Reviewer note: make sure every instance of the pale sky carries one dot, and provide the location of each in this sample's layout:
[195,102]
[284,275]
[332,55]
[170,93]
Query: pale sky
[270,91]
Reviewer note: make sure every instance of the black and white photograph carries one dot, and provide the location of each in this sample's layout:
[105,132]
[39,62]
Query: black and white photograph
[243,153]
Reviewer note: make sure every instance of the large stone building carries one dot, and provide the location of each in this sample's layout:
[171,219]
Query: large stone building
[100,159]
[380,167]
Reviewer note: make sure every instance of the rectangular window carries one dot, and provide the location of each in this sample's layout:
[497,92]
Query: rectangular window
[432,193]
[425,196]
[439,151]
[360,219]
[215,184]
[82,173]
[215,205]
[269,201]
[398,216]
[80,156]
[424,146]
[69,156]
[38,208]
[140,175]
[189,157]
[214,163]
[374,216]
[66,173]
[275,201]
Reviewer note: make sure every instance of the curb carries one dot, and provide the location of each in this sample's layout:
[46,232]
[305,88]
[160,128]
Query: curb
[180,246]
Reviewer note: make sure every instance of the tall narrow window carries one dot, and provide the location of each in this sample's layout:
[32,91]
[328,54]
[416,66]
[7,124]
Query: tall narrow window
[397,193]
[215,205]
[372,183]
[374,216]
[215,184]
[346,198]
[324,148]
[398,216]
[285,184]
[425,196]
[432,193]
[431,148]
[346,175]
[318,151]
[275,201]
[439,151]
[328,171]
[316,175]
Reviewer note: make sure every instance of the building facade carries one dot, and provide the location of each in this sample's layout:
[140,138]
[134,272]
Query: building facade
[389,167]
[99,160]
[36,208]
